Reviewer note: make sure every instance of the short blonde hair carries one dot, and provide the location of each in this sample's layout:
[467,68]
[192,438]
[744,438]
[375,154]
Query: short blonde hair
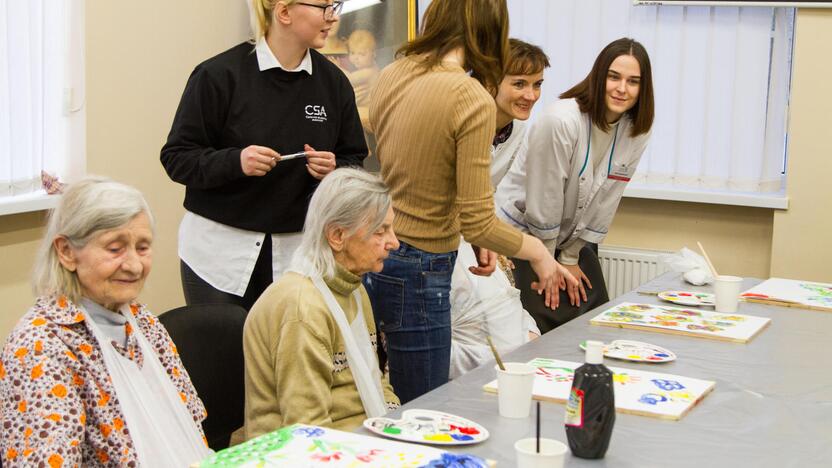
[88,207]
[261,15]
[361,38]
[348,198]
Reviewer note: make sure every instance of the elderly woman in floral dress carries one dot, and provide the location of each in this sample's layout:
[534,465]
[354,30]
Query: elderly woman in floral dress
[89,377]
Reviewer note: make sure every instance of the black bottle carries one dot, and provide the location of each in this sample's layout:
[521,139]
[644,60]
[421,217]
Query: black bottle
[590,411]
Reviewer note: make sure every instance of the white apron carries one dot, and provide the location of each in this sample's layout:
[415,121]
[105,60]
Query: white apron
[163,431]
[360,353]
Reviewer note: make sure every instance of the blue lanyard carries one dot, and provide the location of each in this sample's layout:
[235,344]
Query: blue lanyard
[589,142]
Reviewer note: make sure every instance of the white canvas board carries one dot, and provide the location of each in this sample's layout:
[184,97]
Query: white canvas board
[301,445]
[684,321]
[639,392]
[806,293]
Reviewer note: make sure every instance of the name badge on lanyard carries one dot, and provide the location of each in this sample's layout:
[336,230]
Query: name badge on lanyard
[621,172]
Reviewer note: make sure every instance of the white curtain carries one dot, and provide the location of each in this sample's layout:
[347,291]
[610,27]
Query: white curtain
[41,92]
[720,74]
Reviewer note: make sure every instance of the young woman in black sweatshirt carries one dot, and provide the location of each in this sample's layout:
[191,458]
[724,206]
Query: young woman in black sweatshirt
[241,113]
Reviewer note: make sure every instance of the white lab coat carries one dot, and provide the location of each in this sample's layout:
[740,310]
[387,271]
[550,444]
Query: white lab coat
[483,306]
[546,194]
[505,153]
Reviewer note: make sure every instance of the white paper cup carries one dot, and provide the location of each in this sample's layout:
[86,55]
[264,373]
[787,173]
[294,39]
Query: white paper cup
[514,389]
[727,292]
[552,453]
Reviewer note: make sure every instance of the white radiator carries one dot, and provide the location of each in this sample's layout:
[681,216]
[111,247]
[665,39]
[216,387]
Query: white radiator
[626,269]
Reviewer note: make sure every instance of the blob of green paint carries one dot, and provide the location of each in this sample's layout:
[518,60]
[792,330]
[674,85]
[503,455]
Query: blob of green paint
[392,430]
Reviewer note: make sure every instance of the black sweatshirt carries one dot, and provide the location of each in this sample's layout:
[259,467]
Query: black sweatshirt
[229,104]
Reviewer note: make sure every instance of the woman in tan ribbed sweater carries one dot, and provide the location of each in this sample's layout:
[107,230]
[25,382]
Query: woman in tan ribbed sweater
[434,122]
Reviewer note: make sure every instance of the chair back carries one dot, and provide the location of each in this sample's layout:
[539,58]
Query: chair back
[209,338]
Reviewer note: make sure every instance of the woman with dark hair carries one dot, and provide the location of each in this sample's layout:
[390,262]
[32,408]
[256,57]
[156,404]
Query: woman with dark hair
[434,122]
[581,153]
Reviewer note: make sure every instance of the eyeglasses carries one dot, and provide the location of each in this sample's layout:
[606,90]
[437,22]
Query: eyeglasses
[330,11]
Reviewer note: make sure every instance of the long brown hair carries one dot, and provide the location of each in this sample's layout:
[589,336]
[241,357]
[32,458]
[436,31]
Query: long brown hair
[590,93]
[480,27]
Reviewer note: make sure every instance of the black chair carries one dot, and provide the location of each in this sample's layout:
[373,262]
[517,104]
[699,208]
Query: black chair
[210,342]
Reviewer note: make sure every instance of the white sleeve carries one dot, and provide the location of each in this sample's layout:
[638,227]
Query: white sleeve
[529,324]
[551,142]
[466,320]
[510,193]
[466,357]
[571,254]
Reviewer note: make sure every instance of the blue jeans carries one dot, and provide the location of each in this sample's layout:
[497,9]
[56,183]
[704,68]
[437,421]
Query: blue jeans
[411,301]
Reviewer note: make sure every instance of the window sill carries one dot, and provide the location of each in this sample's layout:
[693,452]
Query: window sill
[31,202]
[775,200]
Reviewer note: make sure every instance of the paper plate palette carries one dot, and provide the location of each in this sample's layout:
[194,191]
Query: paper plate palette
[636,351]
[688,298]
[428,427]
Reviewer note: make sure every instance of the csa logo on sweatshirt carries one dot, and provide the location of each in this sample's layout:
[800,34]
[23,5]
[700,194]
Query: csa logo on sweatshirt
[315,113]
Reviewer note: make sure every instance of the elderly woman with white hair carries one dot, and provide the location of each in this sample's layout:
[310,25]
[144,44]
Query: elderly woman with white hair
[310,339]
[89,377]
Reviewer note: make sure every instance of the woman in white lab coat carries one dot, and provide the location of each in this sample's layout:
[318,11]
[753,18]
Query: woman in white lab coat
[581,153]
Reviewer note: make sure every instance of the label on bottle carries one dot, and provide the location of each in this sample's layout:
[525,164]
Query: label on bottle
[575,408]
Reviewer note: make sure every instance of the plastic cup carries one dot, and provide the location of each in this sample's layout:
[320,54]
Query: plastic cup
[514,389]
[551,455]
[727,292]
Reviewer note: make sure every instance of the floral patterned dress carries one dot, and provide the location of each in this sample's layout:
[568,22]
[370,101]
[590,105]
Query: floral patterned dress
[58,406]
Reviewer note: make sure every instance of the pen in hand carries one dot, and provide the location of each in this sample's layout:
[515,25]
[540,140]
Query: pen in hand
[286,157]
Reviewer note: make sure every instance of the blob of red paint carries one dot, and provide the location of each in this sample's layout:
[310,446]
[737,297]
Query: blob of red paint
[464,430]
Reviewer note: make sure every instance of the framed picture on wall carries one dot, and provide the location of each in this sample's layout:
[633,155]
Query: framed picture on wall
[363,41]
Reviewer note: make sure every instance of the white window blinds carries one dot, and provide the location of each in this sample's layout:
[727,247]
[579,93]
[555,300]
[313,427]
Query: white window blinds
[721,78]
[41,93]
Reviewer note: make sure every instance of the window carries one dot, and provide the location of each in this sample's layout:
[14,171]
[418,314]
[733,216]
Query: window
[41,98]
[721,77]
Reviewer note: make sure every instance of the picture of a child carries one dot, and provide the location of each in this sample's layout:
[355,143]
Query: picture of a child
[335,48]
[362,55]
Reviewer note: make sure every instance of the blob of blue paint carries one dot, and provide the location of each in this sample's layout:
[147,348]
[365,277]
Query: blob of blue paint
[461,437]
[668,385]
[652,398]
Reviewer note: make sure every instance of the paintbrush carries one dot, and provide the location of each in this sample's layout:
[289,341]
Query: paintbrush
[537,428]
[494,351]
[707,259]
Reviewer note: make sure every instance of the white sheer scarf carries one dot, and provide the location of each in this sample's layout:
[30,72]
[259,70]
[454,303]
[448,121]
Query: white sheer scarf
[163,431]
[360,353]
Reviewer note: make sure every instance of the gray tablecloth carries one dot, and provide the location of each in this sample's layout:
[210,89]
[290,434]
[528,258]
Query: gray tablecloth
[772,404]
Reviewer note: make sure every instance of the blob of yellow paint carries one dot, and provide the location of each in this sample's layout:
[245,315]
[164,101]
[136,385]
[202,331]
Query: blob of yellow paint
[438,437]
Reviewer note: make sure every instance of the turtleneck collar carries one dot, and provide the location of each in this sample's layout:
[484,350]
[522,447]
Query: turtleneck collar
[343,282]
